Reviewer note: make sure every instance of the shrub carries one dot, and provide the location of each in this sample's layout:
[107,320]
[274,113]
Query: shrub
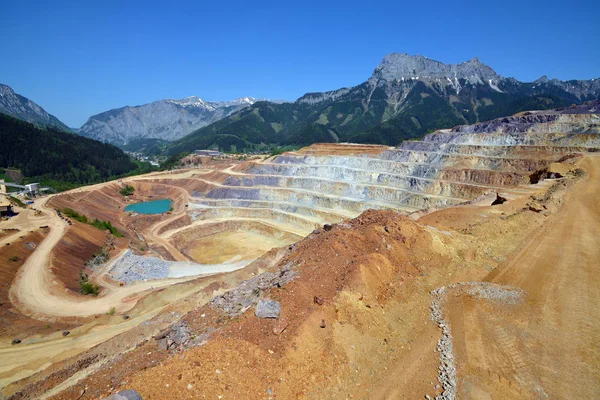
[86,287]
[14,259]
[96,223]
[112,311]
[128,190]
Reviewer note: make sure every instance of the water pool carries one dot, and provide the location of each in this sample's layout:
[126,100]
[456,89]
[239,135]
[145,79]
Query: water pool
[150,207]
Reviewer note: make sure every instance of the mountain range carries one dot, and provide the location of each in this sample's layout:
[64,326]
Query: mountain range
[164,119]
[405,97]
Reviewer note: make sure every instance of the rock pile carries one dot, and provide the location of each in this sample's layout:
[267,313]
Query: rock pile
[131,268]
[247,294]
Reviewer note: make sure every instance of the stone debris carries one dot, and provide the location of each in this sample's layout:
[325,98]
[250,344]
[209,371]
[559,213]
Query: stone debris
[16,341]
[179,336]
[318,300]
[447,368]
[267,309]
[280,326]
[494,292]
[66,333]
[322,324]
[483,290]
[247,293]
[132,268]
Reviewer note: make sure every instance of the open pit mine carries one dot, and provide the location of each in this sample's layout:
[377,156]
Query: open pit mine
[461,265]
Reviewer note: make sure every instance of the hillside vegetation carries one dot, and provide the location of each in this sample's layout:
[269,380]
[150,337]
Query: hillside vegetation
[300,124]
[58,158]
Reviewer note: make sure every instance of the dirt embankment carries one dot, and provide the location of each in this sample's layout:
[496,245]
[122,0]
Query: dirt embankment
[12,322]
[76,248]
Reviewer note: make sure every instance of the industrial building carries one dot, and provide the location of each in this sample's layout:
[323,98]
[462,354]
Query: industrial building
[31,189]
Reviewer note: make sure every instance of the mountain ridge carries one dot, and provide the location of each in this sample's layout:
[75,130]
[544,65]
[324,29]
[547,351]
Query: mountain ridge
[405,97]
[167,119]
[20,107]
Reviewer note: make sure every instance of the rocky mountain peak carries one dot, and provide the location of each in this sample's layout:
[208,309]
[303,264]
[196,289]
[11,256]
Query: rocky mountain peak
[21,107]
[6,90]
[397,66]
[168,119]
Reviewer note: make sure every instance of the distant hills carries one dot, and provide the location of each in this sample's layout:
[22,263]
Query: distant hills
[58,158]
[21,107]
[405,97]
[159,120]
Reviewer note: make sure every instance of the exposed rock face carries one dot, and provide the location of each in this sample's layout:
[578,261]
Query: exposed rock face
[311,190]
[21,107]
[396,67]
[164,119]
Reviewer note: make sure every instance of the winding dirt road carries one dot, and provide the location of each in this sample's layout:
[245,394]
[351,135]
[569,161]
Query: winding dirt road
[35,292]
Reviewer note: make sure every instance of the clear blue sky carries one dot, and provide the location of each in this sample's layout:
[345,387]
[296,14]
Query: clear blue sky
[79,58]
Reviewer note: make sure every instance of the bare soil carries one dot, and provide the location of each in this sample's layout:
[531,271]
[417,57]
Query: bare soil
[371,336]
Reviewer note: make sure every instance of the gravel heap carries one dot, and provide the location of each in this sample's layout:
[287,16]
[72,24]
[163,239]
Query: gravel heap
[131,268]
[494,292]
[447,368]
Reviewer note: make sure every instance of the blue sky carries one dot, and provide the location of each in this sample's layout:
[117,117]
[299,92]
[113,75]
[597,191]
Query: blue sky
[79,58]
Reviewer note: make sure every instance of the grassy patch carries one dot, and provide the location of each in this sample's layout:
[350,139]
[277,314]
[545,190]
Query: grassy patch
[86,287]
[128,190]
[96,223]
[17,202]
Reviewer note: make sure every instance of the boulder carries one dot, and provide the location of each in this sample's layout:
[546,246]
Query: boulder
[267,309]
[125,395]
[66,333]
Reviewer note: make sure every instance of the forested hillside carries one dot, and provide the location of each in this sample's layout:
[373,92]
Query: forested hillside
[58,157]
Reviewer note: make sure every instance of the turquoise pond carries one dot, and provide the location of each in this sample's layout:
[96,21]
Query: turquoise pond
[150,207]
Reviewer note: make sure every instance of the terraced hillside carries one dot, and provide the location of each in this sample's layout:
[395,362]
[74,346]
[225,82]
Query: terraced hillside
[297,192]
[228,213]
[276,201]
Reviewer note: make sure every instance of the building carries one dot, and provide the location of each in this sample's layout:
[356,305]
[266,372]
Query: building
[5,206]
[32,188]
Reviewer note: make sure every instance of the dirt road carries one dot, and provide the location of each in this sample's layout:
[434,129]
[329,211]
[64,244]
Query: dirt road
[35,292]
[547,347]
